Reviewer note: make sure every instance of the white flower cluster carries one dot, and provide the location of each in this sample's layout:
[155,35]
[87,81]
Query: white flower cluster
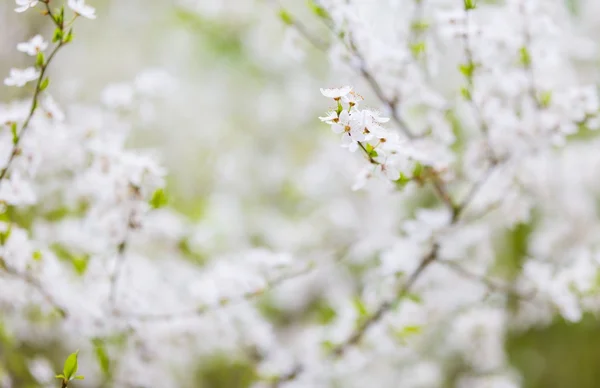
[474,209]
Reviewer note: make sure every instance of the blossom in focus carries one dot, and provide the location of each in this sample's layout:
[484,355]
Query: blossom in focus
[81,8]
[19,77]
[33,46]
[24,5]
[336,93]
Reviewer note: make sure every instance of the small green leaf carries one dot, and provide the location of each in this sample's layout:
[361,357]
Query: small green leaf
[371,151]
[466,94]
[59,15]
[418,170]
[317,9]
[102,356]
[5,235]
[159,199]
[524,56]
[70,367]
[286,17]
[470,4]
[402,181]
[69,36]
[327,346]
[13,131]
[57,36]
[419,26]
[546,99]
[79,377]
[80,264]
[417,49]
[467,69]
[360,307]
[37,255]
[414,298]
[44,84]
[408,331]
[40,59]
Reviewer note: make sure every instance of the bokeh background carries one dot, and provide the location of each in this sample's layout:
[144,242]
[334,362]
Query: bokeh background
[237,129]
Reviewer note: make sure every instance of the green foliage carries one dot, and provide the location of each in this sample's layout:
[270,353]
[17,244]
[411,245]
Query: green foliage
[467,69]
[419,26]
[13,131]
[545,99]
[78,261]
[470,4]
[57,36]
[70,370]
[417,49]
[512,249]
[40,59]
[361,309]
[317,9]
[224,371]
[159,199]
[524,57]
[286,17]
[563,354]
[102,357]
[404,334]
[44,84]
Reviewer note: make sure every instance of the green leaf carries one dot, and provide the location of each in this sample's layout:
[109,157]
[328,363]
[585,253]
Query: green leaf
[37,255]
[419,26]
[371,151]
[546,99]
[15,135]
[44,84]
[70,367]
[406,332]
[317,9]
[467,69]
[40,59]
[57,36]
[418,170]
[360,307]
[102,356]
[465,93]
[79,377]
[417,49]
[69,36]
[402,181]
[159,199]
[414,298]
[5,235]
[524,57]
[470,4]
[80,264]
[59,15]
[286,17]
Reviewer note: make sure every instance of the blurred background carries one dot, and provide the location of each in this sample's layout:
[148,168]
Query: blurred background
[235,123]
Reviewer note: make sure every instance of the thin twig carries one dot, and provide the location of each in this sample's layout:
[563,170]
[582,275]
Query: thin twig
[33,282]
[35,99]
[204,309]
[386,306]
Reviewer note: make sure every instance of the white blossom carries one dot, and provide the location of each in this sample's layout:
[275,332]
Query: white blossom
[33,46]
[20,77]
[81,8]
[24,5]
